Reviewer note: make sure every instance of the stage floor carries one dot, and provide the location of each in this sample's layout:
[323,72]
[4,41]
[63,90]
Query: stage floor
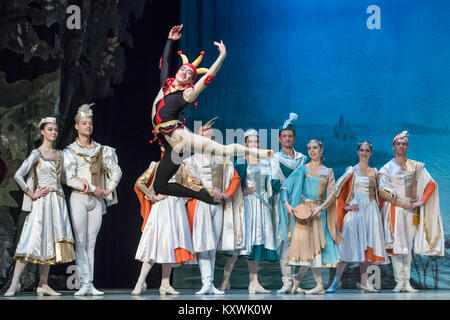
[153,294]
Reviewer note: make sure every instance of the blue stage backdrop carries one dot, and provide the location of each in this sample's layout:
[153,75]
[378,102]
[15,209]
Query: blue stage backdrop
[349,75]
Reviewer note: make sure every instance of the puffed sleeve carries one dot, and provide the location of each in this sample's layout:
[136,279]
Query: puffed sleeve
[70,171]
[25,168]
[275,178]
[330,190]
[385,189]
[384,179]
[141,182]
[111,166]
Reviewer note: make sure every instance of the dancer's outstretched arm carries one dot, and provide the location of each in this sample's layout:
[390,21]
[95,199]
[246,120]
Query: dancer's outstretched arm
[191,94]
[174,35]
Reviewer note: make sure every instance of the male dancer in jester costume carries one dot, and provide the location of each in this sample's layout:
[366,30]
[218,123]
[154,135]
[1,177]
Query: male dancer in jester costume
[173,97]
[282,165]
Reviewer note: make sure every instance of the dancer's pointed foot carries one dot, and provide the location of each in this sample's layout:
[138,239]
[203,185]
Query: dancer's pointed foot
[265,154]
[209,198]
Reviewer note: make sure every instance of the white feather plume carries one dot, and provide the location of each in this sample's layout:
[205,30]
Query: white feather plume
[404,133]
[292,117]
[85,111]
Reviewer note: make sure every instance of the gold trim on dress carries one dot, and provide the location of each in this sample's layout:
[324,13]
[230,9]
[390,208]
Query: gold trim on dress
[298,259]
[64,253]
[95,165]
[416,220]
[431,244]
[50,189]
[315,175]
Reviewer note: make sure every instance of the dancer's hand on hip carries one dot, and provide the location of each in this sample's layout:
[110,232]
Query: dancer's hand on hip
[85,185]
[352,207]
[247,191]
[39,193]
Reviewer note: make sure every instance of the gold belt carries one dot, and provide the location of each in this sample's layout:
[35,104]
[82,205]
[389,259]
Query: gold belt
[50,189]
[81,192]
[310,201]
[164,124]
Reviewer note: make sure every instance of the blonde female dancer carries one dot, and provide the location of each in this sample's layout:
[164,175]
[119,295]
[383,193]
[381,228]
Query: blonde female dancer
[166,237]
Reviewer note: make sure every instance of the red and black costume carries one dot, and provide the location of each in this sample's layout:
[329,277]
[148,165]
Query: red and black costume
[166,109]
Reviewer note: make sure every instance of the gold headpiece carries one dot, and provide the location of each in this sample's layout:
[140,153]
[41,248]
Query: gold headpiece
[85,111]
[47,120]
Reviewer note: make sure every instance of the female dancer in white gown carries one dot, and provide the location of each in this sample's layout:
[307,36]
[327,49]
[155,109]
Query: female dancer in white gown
[46,237]
[359,219]
[259,236]
[166,237]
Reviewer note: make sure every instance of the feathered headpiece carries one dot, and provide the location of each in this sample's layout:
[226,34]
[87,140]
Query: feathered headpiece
[289,123]
[404,134]
[194,64]
[84,111]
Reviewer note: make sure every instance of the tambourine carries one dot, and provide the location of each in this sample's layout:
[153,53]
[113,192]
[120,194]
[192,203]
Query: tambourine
[302,211]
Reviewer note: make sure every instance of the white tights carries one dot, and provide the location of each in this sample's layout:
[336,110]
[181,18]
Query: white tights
[184,139]
[165,277]
[86,214]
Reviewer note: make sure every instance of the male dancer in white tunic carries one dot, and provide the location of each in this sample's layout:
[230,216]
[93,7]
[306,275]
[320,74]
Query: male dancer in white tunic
[214,227]
[97,164]
[282,165]
[411,213]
